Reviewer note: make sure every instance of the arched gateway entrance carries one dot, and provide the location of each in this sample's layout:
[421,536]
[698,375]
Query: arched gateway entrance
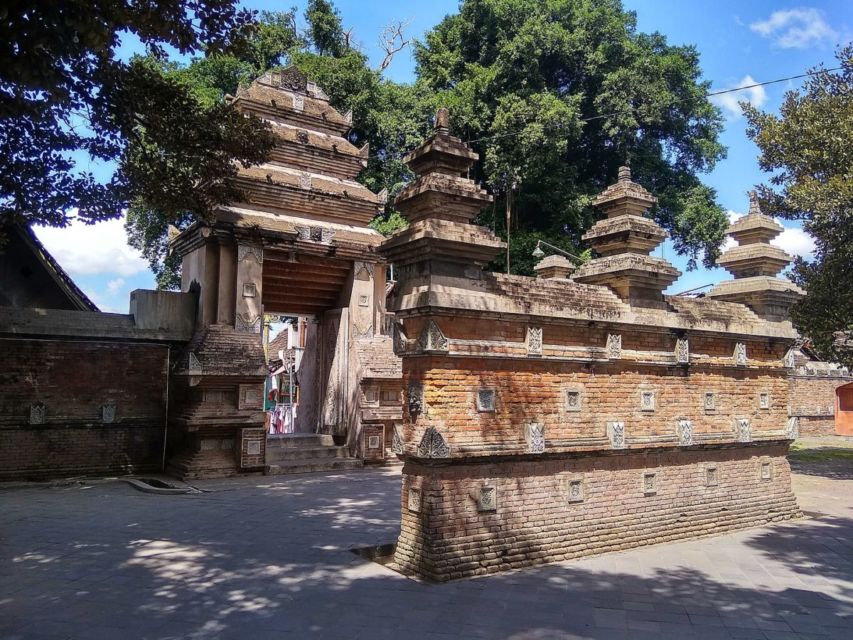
[298,244]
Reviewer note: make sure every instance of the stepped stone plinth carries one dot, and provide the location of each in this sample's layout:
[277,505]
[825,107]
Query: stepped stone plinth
[754,263]
[554,268]
[623,242]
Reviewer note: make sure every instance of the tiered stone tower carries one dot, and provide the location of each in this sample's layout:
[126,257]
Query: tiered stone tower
[623,242]
[298,244]
[755,263]
[545,418]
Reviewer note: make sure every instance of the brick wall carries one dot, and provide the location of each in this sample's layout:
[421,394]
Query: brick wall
[548,510]
[812,399]
[103,403]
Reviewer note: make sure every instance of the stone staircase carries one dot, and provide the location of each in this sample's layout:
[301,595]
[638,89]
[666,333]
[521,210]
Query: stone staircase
[306,452]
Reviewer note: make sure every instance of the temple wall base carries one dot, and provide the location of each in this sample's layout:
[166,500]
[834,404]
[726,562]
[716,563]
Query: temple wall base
[466,519]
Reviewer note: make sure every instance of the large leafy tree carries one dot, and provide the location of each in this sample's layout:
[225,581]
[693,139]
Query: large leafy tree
[808,148]
[66,95]
[556,94]
[391,117]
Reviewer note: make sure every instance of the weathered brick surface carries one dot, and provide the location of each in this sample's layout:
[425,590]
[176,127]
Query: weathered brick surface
[813,400]
[75,380]
[445,535]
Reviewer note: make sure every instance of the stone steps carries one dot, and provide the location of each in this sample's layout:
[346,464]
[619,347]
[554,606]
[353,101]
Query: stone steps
[306,453]
[302,453]
[311,466]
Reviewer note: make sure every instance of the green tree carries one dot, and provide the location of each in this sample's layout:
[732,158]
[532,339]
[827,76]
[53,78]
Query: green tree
[65,94]
[808,148]
[556,94]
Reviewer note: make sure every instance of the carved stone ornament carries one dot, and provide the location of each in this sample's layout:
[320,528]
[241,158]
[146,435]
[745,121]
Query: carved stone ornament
[573,400]
[682,351]
[193,365]
[302,136]
[485,400]
[298,103]
[534,341]
[712,476]
[246,250]
[251,324]
[616,433]
[534,435]
[400,340]
[414,502]
[744,431]
[614,346]
[488,499]
[574,490]
[397,439]
[305,180]
[416,398]
[292,78]
[740,353]
[685,433]
[790,360]
[108,413]
[650,483]
[367,266]
[710,402]
[431,338]
[432,445]
[792,428]
[647,401]
[38,411]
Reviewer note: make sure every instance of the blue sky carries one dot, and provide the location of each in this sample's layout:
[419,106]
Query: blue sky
[739,43]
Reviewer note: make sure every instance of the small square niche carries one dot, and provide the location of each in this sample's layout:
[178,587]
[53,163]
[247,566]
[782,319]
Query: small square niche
[650,484]
[486,400]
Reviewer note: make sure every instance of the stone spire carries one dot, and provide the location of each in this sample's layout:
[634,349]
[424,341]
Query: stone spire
[754,263]
[623,242]
[440,204]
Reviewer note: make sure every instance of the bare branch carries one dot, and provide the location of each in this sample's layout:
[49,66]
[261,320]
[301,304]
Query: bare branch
[392,39]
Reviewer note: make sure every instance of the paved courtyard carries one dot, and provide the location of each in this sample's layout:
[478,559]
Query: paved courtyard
[269,558]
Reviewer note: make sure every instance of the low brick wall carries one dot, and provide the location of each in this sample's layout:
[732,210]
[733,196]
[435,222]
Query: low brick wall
[81,407]
[812,399]
[548,510]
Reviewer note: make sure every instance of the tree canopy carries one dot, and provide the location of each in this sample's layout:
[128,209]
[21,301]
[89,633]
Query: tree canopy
[556,94]
[66,94]
[808,148]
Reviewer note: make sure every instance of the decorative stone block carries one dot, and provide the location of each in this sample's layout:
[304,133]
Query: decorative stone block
[614,346]
[38,412]
[488,499]
[414,500]
[298,102]
[249,324]
[431,338]
[792,428]
[710,401]
[485,400]
[650,484]
[401,342]
[108,413]
[432,445]
[534,341]
[763,400]
[363,301]
[534,435]
[712,476]
[682,351]
[397,439]
[616,433]
[253,448]
[790,360]
[250,251]
[305,180]
[685,433]
[744,431]
[416,398]
[574,488]
[573,400]
[251,396]
[740,353]
[647,400]
[766,470]
[374,442]
[371,396]
[250,290]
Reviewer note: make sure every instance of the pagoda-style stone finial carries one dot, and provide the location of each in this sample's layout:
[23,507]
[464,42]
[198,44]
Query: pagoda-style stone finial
[554,268]
[623,243]
[442,120]
[754,263]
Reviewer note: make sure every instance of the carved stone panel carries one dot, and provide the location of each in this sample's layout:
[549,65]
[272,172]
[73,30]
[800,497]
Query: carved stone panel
[744,431]
[792,428]
[647,400]
[431,338]
[488,499]
[485,400]
[764,400]
[415,395]
[397,439]
[400,340]
[710,401]
[740,353]
[414,501]
[766,470]
[38,412]
[108,413]
[614,346]
[682,351]
[574,489]
[432,445]
[650,484]
[248,324]
[573,400]
[712,476]
[685,433]
[250,251]
[534,341]
[616,433]
[534,435]
[790,360]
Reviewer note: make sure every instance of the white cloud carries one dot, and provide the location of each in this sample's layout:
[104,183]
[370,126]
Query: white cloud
[796,242]
[93,249]
[796,28]
[113,286]
[756,96]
